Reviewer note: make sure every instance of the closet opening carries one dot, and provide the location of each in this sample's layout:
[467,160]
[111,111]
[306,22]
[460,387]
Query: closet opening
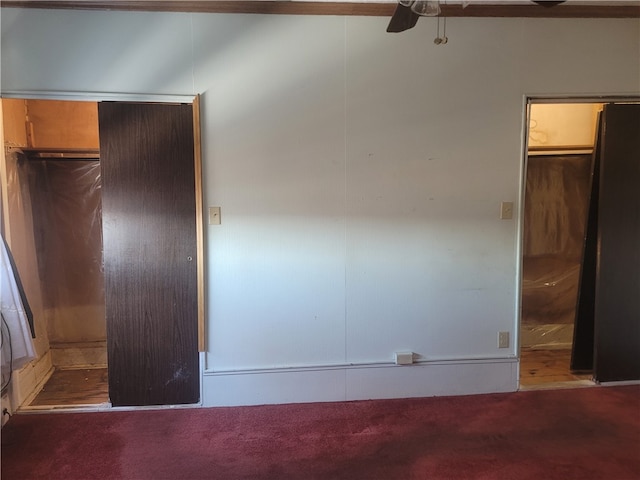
[577,305]
[102,209]
[556,201]
[55,218]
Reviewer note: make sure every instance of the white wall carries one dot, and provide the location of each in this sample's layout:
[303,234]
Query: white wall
[360,176]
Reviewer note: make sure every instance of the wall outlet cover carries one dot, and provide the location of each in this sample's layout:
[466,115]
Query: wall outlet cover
[503,339]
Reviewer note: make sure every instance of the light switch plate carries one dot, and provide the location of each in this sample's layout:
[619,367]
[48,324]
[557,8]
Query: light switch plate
[506,210]
[214,215]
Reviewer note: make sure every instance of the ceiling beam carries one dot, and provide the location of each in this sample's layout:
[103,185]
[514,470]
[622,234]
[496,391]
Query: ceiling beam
[287,7]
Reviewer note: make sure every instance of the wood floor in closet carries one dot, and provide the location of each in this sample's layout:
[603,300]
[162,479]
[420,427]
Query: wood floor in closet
[549,369]
[74,387]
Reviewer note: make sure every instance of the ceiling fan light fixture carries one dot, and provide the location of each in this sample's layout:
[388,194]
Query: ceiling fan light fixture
[426,8]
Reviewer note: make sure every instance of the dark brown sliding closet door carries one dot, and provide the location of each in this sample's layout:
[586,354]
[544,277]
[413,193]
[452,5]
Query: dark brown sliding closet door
[583,331]
[617,299]
[149,221]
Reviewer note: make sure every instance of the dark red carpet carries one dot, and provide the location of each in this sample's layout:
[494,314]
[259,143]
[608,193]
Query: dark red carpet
[590,433]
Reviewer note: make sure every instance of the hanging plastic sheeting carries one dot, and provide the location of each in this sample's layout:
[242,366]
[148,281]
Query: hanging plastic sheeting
[19,236]
[556,202]
[549,290]
[17,345]
[67,219]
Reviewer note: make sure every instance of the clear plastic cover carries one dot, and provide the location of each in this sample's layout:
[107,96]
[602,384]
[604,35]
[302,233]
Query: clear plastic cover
[556,200]
[20,237]
[549,290]
[67,218]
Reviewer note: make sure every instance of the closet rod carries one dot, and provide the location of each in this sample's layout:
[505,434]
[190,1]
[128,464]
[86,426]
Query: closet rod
[61,153]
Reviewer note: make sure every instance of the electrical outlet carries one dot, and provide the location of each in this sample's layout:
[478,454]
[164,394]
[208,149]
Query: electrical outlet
[503,339]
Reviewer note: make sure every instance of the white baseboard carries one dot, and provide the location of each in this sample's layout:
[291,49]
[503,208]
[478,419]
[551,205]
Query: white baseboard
[347,383]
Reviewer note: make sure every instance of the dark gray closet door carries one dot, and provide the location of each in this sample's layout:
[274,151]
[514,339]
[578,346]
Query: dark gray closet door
[583,331]
[617,302]
[149,221]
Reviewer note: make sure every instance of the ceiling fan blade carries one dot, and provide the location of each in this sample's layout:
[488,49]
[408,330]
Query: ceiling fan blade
[403,19]
[548,3]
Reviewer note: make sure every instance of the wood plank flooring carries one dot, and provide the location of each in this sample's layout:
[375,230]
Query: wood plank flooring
[74,387]
[548,368]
